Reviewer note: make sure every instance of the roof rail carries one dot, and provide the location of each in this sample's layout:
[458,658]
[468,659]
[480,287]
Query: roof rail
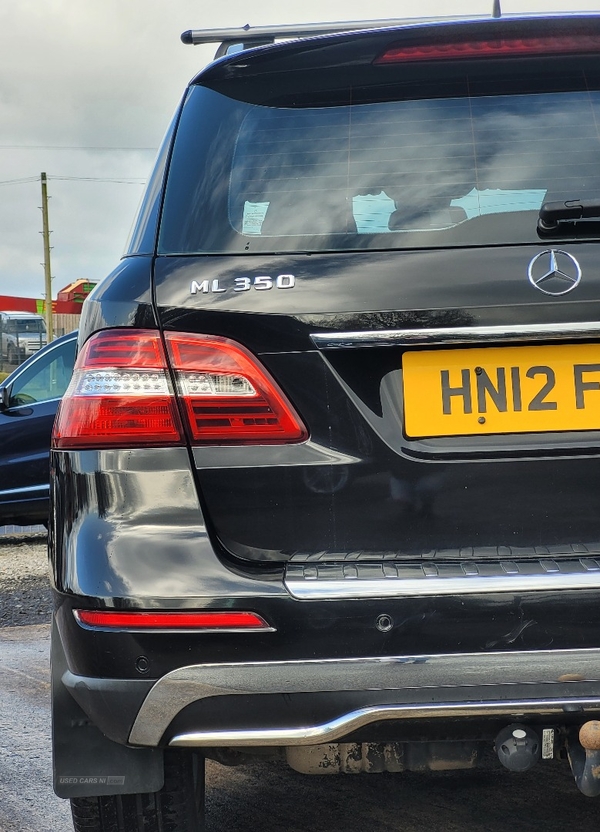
[236,39]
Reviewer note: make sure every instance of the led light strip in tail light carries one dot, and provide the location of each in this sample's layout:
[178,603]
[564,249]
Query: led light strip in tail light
[121,394]
[143,622]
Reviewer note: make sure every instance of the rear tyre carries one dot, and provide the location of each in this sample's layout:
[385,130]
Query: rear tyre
[177,807]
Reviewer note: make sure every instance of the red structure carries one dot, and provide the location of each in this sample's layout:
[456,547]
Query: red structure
[75,293]
[68,302]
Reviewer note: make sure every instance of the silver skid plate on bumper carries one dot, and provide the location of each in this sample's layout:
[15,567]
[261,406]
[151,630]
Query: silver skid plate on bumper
[464,685]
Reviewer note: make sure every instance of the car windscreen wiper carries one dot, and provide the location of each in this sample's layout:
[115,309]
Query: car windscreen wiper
[553,215]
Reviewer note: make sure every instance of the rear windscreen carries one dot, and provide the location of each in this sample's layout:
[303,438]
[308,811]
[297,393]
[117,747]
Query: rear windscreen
[466,169]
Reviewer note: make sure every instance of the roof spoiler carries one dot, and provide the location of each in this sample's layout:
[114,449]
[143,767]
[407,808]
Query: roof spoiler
[237,39]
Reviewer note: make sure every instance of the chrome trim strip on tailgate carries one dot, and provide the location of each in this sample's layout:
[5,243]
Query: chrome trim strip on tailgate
[331,581]
[457,335]
[442,682]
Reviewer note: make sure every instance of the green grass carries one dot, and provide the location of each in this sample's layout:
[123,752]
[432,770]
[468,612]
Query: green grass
[3,376]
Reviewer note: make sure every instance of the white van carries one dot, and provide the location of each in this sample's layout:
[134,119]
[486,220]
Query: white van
[21,334]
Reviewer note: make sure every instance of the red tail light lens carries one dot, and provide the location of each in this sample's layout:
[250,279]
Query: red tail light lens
[228,396]
[171,621]
[121,394]
[497,47]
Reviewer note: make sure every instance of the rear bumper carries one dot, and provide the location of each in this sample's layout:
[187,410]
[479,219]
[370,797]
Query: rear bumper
[577,568]
[310,702]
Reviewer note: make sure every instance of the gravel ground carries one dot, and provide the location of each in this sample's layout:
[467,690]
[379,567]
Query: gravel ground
[24,587]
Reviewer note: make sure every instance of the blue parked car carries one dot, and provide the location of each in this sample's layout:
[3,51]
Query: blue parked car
[29,398]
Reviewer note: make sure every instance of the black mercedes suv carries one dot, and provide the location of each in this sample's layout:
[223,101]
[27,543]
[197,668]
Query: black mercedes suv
[326,481]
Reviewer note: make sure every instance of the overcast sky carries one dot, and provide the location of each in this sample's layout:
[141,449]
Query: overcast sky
[87,88]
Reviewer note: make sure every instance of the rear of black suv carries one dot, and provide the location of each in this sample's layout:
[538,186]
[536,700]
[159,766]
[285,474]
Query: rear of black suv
[326,482]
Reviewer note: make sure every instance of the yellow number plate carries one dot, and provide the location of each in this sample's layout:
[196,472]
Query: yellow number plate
[502,390]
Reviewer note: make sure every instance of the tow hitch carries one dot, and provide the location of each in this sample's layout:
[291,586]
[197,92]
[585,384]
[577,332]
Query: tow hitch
[584,757]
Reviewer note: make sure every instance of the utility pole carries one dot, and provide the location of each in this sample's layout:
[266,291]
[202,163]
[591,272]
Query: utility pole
[47,270]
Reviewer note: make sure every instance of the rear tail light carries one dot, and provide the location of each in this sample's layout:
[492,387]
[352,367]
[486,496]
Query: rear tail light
[136,622]
[493,47]
[228,396]
[121,394]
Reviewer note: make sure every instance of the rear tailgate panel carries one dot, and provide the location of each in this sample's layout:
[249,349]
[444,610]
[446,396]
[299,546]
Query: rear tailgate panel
[361,485]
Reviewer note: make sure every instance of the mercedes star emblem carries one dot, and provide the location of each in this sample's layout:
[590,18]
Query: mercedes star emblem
[554,272]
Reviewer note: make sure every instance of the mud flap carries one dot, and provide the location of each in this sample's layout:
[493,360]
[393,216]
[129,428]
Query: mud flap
[85,762]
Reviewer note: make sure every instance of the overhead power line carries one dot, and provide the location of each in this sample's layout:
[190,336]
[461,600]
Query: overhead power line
[132,181]
[73,147]
[20,181]
[129,181]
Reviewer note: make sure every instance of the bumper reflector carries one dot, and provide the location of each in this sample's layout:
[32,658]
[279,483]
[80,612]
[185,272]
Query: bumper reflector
[230,621]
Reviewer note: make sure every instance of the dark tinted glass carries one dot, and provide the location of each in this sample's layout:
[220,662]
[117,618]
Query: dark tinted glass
[469,169]
[24,325]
